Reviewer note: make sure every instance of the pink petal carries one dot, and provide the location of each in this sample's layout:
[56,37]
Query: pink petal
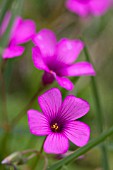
[46,41]
[99,7]
[37,59]
[23,30]
[73,108]
[83,1]
[68,50]
[77,132]
[82,9]
[78,69]
[64,82]
[5,23]
[50,102]
[56,143]
[13,51]
[38,123]
[18,21]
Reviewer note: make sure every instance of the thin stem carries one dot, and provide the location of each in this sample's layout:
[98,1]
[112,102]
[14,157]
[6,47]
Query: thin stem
[35,153]
[41,149]
[29,151]
[99,113]
[4,149]
[82,150]
[46,162]
[31,156]
[20,115]
[38,158]
[3,95]
[13,167]
[96,95]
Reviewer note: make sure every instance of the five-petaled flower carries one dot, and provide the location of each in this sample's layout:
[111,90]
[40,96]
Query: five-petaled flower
[56,59]
[58,121]
[21,32]
[88,7]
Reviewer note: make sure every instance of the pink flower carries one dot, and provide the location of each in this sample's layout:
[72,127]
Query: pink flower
[58,121]
[21,32]
[86,7]
[56,59]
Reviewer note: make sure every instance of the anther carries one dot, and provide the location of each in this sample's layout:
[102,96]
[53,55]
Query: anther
[55,127]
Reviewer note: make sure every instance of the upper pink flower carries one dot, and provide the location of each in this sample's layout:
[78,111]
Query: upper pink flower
[56,59]
[88,7]
[58,121]
[21,32]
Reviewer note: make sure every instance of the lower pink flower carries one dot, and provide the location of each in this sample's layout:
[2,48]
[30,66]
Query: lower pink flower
[58,121]
[88,7]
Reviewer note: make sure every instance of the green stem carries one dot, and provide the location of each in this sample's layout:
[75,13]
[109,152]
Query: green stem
[4,149]
[3,95]
[35,163]
[41,149]
[99,112]
[82,150]
[20,115]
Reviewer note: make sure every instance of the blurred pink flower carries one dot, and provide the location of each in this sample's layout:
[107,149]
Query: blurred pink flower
[58,121]
[56,59]
[21,32]
[86,7]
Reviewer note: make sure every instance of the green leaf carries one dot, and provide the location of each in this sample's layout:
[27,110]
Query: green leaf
[82,150]
[99,112]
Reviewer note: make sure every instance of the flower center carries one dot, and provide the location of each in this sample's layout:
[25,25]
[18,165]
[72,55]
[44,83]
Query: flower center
[55,127]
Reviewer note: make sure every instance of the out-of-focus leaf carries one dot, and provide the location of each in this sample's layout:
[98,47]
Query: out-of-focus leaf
[99,111]
[5,6]
[97,27]
[43,8]
[82,150]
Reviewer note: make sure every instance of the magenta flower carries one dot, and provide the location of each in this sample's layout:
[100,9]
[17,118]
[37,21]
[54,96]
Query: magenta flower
[87,7]
[21,32]
[58,121]
[56,59]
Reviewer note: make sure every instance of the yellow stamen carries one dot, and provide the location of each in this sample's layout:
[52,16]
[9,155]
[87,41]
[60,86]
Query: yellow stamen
[55,127]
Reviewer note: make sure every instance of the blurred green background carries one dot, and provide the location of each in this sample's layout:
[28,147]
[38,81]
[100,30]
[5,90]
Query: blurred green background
[23,79]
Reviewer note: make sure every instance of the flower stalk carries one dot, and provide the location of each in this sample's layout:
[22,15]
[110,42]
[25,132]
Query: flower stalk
[36,162]
[99,112]
[3,94]
[20,115]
